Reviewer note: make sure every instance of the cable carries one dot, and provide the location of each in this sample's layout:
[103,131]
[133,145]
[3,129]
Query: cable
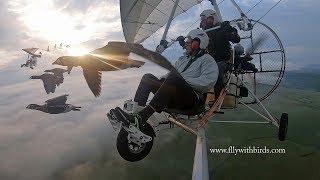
[268,11]
[191,25]
[220,2]
[253,6]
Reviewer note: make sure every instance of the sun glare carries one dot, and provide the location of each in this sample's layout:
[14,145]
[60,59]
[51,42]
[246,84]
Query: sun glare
[46,21]
[77,51]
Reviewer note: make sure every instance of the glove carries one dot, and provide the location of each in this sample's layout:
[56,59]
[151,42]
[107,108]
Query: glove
[225,24]
[162,46]
[180,39]
[164,43]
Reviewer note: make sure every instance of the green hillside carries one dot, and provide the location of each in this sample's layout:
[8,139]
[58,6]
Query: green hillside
[172,154]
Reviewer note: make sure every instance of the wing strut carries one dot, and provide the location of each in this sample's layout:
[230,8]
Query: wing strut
[170,20]
[163,43]
[216,8]
[200,162]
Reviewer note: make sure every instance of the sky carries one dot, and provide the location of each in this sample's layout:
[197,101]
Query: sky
[33,23]
[34,145]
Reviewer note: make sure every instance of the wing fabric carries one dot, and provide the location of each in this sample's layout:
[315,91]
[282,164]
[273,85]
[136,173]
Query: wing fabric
[141,18]
[30,50]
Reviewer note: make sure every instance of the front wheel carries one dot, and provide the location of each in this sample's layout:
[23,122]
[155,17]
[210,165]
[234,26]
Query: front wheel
[131,151]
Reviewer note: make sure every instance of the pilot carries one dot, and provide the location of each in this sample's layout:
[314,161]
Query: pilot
[219,41]
[22,65]
[198,72]
[28,63]
[33,62]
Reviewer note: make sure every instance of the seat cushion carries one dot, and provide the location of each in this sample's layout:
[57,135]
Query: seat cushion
[196,110]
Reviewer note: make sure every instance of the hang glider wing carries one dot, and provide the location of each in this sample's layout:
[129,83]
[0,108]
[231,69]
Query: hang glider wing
[141,18]
[32,51]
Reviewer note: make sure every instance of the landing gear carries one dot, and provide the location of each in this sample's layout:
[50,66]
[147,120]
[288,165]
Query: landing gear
[132,144]
[283,127]
[131,148]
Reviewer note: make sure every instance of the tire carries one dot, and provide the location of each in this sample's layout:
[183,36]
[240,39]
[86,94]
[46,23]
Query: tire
[283,127]
[126,152]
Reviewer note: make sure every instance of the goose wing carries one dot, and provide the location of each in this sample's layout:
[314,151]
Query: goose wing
[60,100]
[93,78]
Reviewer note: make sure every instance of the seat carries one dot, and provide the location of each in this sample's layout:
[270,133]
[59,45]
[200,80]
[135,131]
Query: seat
[209,97]
[196,110]
[199,108]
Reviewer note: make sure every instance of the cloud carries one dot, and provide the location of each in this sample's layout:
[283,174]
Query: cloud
[44,21]
[6,57]
[35,145]
[35,23]
[11,30]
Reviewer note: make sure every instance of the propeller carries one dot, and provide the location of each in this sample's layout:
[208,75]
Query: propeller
[258,42]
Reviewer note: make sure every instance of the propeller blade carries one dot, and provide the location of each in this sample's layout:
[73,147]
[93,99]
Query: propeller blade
[258,42]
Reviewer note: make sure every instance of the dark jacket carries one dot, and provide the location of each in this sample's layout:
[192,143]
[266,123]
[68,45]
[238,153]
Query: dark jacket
[219,46]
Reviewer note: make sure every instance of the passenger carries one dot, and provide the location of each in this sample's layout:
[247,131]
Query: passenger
[198,72]
[219,42]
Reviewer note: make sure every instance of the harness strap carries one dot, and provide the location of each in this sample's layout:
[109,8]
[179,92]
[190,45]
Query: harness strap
[199,54]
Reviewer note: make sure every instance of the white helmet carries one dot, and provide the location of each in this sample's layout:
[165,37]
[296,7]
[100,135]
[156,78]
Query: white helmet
[201,35]
[209,12]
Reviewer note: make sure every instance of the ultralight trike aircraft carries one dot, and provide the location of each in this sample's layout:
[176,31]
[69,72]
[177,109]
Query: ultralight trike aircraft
[141,19]
[32,57]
